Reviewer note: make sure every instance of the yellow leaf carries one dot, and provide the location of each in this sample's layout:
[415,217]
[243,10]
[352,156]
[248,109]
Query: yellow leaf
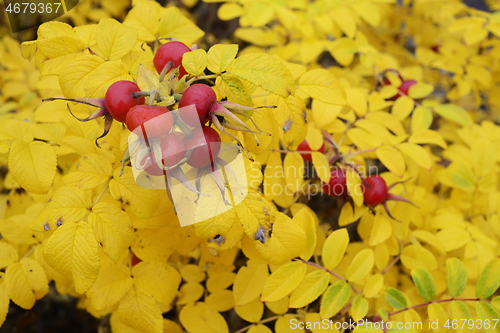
[251,312]
[217,225]
[13,129]
[255,210]
[427,136]
[293,166]
[381,230]
[461,175]
[249,282]
[74,79]
[437,315]
[192,273]
[453,238]
[72,250]
[220,281]
[142,202]
[421,119]
[220,57]
[322,84]
[392,159]
[54,54]
[414,256]
[420,90]
[343,50]
[287,241]
[189,293]
[373,286]
[138,309]
[112,284]
[416,153]
[67,205]
[306,220]
[229,10]
[105,75]
[291,118]
[91,171]
[260,329]
[264,71]
[174,24]
[322,166]
[348,214]
[344,19]
[199,318]
[324,113]
[114,40]
[310,288]
[357,101]
[195,62]
[220,301]
[354,186]
[151,276]
[4,299]
[402,107]
[33,165]
[359,307]
[27,282]
[8,254]
[283,281]
[334,248]
[483,156]
[112,229]
[361,265]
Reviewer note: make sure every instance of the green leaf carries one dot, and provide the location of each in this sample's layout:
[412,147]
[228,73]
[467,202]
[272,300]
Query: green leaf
[457,276]
[395,298]
[424,282]
[383,314]
[264,71]
[334,299]
[489,281]
[454,113]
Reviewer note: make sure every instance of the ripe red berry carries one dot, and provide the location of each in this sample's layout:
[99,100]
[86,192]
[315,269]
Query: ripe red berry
[337,186]
[119,99]
[154,120]
[204,155]
[173,150]
[173,52]
[376,193]
[304,146]
[203,97]
[406,85]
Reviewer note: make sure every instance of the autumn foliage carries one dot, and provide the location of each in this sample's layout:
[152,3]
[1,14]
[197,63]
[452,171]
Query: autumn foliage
[370,138]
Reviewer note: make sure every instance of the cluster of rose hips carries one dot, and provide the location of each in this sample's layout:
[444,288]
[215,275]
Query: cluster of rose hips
[161,149]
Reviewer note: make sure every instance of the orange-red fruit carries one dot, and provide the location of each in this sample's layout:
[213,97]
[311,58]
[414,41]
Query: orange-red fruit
[376,192]
[154,120]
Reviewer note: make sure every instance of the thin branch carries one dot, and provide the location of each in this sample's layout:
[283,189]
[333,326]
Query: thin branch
[395,259]
[246,328]
[328,271]
[438,301]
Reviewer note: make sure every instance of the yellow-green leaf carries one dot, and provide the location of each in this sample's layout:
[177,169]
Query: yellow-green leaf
[489,281]
[334,299]
[195,62]
[334,248]
[114,40]
[424,282]
[33,165]
[457,276]
[72,250]
[220,56]
[310,288]
[283,281]
[359,307]
[395,298]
